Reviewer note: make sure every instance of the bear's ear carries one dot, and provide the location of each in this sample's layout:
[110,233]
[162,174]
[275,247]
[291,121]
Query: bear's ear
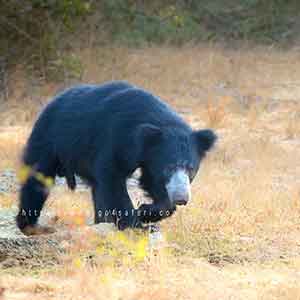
[205,139]
[148,134]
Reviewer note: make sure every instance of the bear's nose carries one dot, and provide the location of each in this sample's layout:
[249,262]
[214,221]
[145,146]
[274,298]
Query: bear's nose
[181,202]
[180,198]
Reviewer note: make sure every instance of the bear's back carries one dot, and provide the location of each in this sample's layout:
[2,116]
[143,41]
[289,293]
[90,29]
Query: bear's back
[136,105]
[89,94]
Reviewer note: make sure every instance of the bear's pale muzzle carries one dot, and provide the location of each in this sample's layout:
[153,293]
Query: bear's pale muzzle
[179,188]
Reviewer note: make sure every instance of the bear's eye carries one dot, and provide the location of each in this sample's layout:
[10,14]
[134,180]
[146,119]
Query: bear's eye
[168,171]
[191,173]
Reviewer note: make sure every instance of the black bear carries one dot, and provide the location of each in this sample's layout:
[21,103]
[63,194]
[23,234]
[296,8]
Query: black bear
[103,133]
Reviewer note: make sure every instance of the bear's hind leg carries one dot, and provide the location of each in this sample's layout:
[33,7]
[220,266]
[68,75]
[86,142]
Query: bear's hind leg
[33,195]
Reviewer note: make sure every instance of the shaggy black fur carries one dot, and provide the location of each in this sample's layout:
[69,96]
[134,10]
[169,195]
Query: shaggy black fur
[102,134]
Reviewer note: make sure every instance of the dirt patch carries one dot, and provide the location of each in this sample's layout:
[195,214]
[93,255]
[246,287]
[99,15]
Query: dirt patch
[17,249]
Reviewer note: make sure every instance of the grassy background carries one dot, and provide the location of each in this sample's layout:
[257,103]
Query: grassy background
[42,35]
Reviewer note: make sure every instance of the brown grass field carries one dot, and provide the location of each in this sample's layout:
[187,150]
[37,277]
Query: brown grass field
[240,236]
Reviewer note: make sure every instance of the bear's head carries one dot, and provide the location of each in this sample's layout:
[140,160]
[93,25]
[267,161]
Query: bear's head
[171,159]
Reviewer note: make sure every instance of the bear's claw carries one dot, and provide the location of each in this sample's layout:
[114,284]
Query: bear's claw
[37,230]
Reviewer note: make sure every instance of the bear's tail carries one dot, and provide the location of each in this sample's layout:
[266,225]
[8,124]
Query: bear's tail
[71,181]
[70,177]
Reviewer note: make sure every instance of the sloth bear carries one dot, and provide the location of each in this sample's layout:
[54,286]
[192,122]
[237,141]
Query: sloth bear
[103,133]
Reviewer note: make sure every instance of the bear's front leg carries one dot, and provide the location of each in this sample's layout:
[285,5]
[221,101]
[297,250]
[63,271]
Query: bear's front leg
[102,213]
[113,204]
[155,212]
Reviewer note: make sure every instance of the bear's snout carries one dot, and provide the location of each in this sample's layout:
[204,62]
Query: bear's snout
[179,188]
[181,201]
[181,198]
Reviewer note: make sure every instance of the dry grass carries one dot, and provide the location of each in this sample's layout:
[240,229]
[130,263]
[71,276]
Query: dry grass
[12,140]
[239,238]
